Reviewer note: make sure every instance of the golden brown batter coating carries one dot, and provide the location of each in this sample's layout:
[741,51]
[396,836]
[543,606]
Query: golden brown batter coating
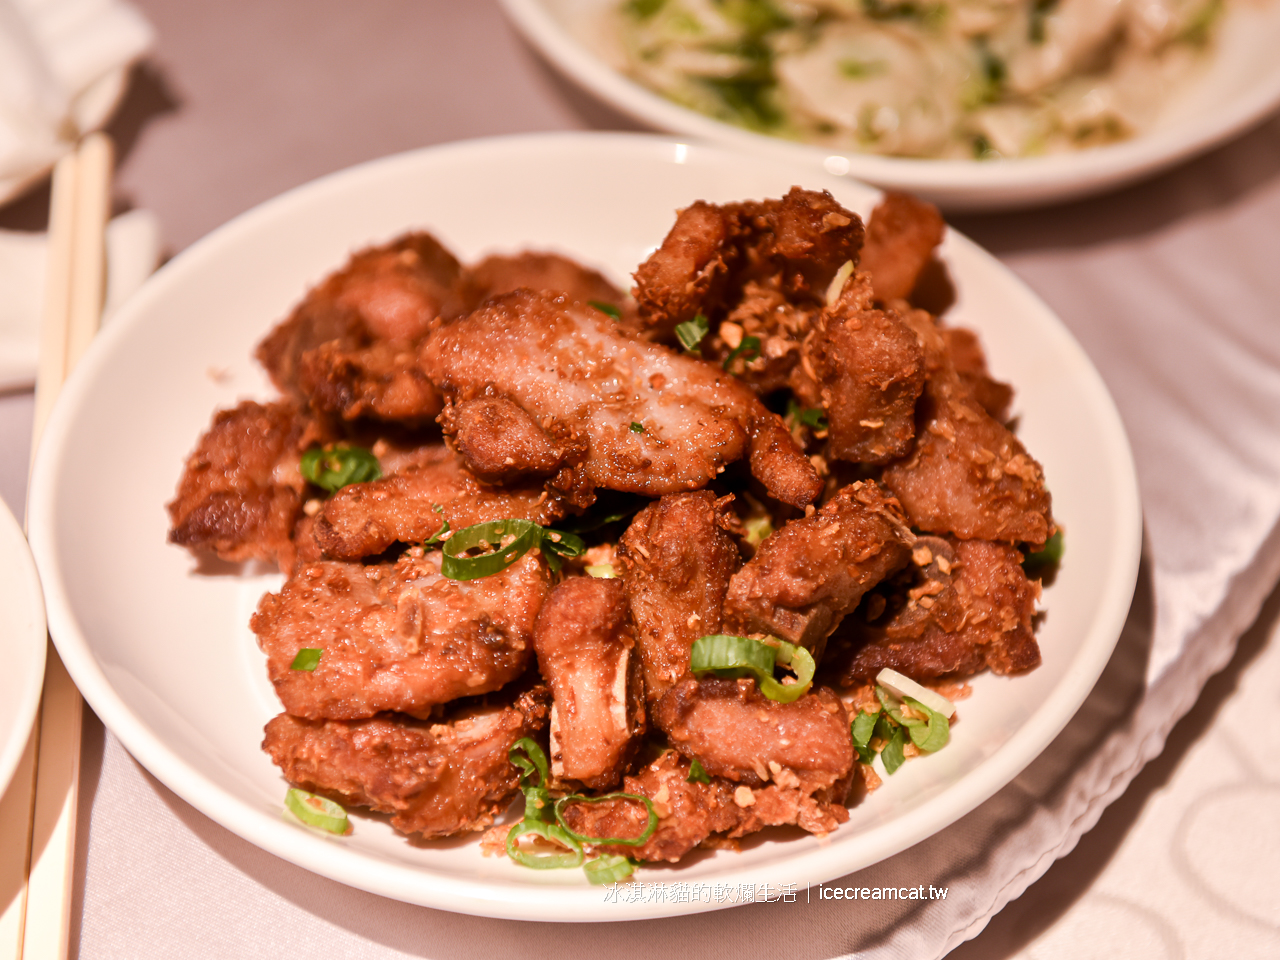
[737,733]
[364,519]
[967,474]
[966,606]
[586,651]
[647,420]
[901,236]
[381,381]
[397,636]
[386,293]
[865,369]
[677,559]
[536,270]
[437,779]
[808,576]
[241,493]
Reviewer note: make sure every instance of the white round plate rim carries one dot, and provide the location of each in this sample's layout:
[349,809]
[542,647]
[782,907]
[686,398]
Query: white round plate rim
[23,643]
[957,185]
[536,900]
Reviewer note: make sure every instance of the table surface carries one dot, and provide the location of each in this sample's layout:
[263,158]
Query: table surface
[242,100]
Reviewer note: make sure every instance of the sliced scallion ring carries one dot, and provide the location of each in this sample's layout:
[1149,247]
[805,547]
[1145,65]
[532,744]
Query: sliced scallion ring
[336,468]
[932,734]
[650,826]
[608,869]
[608,309]
[697,773]
[691,332]
[552,833]
[732,657]
[507,540]
[319,812]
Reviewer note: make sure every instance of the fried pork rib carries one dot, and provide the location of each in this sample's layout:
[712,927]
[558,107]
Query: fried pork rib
[533,270]
[389,293]
[586,652]
[397,636]
[901,237]
[380,381]
[967,474]
[864,367]
[965,606]
[628,414]
[690,813]
[809,575]
[738,733]
[678,560]
[411,506]
[436,779]
[241,493]
[758,269]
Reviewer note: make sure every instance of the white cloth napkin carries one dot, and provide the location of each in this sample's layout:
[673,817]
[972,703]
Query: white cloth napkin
[63,65]
[133,251]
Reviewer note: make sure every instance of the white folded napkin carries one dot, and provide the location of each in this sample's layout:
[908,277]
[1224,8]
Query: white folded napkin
[63,66]
[133,250]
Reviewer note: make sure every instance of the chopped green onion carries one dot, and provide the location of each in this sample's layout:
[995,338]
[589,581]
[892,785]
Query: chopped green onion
[603,571]
[932,734]
[1050,555]
[308,659]
[608,869]
[530,758]
[691,332]
[336,468]
[550,832]
[637,427]
[892,754]
[608,309]
[319,812]
[812,417]
[731,656]
[650,826]
[902,686]
[749,349]
[696,773]
[862,729]
[610,508]
[524,536]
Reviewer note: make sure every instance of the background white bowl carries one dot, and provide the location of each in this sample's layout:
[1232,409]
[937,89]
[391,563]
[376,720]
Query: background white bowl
[1240,87]
[160,647]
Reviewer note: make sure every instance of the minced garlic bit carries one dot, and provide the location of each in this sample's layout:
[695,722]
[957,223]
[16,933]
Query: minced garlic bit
[743,797]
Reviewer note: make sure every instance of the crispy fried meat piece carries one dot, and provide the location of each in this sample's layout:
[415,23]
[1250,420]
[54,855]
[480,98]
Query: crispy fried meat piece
[241,493]
[965,606]
[971,365]
[690,813]
[738,733]
[808,576]
[967,474]
[391,292]
[364,519]
[677,560]
[634,415]
[901,236]
[755,269]
[586,651]
[534,270]
[381,381]
[865,368]
[436,779]
[396,636]
[501,442]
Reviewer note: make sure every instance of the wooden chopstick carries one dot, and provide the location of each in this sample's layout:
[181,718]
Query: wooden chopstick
[73,308]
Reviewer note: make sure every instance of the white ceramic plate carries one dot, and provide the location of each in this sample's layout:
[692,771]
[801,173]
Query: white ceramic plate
[1239,88]
[161,649]
[23,641]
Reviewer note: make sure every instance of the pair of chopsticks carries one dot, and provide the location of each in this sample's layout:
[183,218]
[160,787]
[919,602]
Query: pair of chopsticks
[74,294]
